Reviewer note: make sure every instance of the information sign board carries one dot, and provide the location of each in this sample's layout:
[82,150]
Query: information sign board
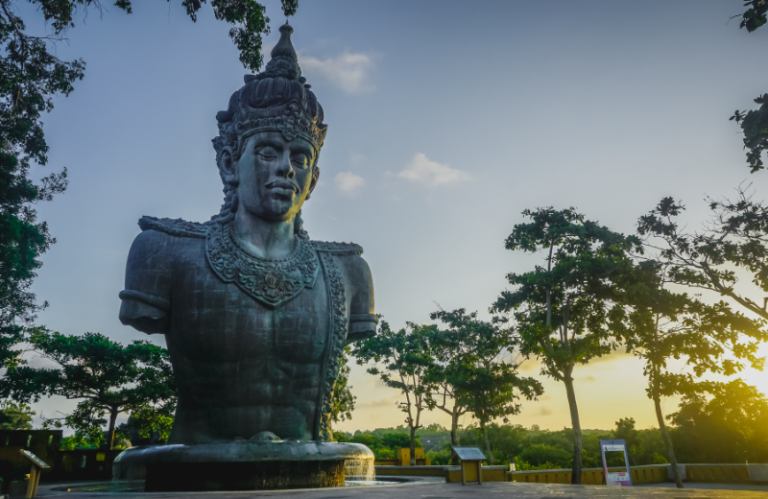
[620,478]
[35,460]
[469,453]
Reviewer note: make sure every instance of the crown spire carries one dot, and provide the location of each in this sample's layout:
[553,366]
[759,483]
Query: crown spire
[285,61]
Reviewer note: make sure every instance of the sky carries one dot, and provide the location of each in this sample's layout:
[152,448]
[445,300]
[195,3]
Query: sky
[446,120]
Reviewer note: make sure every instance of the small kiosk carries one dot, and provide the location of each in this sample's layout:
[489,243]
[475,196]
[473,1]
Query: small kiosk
[34,474]
[470,457]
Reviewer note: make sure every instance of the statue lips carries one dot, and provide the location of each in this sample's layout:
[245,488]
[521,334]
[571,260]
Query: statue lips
[283,188]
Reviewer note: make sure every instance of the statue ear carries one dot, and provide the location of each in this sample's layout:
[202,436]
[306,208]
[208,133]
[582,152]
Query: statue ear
[313,182]
[228,166]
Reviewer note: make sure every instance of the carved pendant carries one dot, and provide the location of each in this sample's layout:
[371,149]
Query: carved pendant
[270,282]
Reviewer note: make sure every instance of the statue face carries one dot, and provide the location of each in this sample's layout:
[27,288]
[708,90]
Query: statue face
[274,176]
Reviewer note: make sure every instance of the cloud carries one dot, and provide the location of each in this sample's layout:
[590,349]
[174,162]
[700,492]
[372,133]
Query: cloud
[423,170]
[348,182]
[545,411]
[349,71]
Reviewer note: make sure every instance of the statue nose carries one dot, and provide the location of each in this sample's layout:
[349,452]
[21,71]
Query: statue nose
[284,167]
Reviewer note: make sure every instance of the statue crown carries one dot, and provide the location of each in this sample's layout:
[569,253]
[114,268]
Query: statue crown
[278,99]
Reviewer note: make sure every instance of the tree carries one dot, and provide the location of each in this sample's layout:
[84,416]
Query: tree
[471,369]
[406,357]
[754,123]
[730,427]
[662,325]
[343,402]
[30,77]
[736,236]
[151,421]
[562,309]
[15,416]
[109,377]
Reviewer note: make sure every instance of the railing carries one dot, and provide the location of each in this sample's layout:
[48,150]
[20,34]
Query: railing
[653,473]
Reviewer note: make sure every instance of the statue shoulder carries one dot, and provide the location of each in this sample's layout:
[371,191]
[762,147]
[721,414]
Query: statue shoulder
[339,249]
[174,227]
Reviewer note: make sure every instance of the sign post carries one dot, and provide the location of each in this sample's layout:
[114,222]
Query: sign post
[34,474]
[470,456]
[621,478]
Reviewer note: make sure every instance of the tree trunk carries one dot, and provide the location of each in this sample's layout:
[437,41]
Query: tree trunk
[413,446]
[488,451]
[667,440]
[454,435]
[111,431]
[577,443]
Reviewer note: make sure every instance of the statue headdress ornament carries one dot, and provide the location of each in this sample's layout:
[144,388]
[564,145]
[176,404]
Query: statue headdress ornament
[278,99]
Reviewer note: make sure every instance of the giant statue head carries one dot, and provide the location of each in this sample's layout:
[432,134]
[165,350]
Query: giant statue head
[269,140]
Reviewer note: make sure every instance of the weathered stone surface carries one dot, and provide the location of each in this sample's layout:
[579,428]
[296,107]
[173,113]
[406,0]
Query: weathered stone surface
[243,465]
[255,314]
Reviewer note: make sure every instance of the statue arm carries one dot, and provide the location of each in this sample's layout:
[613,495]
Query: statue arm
[146,301]
[362,320]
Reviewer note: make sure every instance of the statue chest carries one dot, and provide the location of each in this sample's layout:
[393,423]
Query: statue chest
[215,321]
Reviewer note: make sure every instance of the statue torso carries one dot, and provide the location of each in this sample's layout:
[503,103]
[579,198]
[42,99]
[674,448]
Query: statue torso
[242,367]
[244,362]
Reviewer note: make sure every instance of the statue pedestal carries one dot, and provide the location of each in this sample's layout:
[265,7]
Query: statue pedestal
[242,465]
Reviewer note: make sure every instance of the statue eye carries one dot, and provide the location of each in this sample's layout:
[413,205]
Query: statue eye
[267,152]
[300,160]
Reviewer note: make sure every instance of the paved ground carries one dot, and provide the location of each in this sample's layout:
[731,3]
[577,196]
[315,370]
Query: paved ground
[722,486]
[436,489]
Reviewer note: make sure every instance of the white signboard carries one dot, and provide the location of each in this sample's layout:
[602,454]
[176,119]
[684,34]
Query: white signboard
[617,478]
[619,448]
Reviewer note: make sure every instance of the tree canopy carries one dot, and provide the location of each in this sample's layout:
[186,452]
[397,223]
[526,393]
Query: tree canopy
[343,402]
[107,377]
[736,237]
[660,326]
[562,309]
[754,123]
[406,357]
[727,428]
[30,77]
[473,367]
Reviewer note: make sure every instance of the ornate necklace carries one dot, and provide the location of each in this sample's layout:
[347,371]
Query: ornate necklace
[270,282]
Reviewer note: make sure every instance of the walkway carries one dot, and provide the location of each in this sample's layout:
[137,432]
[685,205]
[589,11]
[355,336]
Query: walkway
[430,489]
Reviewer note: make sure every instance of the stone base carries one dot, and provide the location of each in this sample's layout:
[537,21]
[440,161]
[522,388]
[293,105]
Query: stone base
[187,477]
[242,465]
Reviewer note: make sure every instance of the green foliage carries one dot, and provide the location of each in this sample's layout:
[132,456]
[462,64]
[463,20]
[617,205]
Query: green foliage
[109,377]
[540,454]
[472,367]
[755,16]
[30,77]
[385,442]
[150,420]
[754,124]
[708,430]
[522,465]
[736,236]
[343,402]
[80,441]
[406,357]
[15,416]
[728,428]
[340,436]
[562,309]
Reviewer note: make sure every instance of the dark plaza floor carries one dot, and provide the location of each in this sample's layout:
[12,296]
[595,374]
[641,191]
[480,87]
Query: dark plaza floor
[437,489]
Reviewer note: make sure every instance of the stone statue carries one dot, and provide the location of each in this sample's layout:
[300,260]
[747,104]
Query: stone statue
[255,314]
